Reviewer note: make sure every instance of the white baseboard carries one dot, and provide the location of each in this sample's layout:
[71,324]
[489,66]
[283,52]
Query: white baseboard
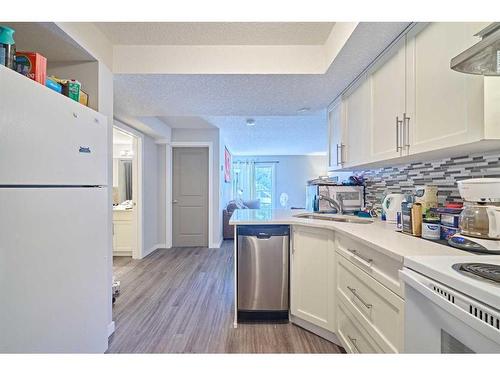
[111,328]
[217,245]
[122,253]
[153,248]
[327,335]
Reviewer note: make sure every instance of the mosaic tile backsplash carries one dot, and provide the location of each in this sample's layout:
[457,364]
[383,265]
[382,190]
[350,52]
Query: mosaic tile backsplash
[443,173]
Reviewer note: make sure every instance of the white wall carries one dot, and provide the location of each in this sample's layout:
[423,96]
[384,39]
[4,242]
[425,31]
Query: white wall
[208,135]
[162,194]
[292,173]
[150,195]
[105,105]
[85,72]
[119,148]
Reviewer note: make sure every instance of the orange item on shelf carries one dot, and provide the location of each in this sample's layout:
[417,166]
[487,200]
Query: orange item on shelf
[32,65]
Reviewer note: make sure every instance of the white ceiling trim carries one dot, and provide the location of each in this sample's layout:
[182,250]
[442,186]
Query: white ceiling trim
[219,59]
[337,39]
[232,59]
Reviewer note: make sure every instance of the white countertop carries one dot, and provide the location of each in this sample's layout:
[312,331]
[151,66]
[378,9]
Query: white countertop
[379,235]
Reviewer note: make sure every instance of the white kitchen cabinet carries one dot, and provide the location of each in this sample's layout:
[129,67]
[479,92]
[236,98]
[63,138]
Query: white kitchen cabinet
[388,105]
[369,288]
[445,107]
[357,107]
[375,307]
[312,276]
[122,233]
[410,105]
[353,337]
[336,143]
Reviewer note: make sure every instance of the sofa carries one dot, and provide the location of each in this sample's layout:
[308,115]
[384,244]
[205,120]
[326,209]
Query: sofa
[228,230]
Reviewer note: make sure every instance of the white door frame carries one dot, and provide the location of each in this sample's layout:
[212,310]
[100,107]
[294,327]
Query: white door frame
[137,188]
[169,164]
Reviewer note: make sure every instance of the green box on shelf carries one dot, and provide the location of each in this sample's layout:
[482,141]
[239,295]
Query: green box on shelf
[72,89]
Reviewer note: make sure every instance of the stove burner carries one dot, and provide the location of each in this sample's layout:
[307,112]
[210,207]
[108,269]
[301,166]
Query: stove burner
[487,271]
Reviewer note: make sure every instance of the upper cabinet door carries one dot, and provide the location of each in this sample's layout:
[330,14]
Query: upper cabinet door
[445,107]
[388,104]
[335,132]
[357,109]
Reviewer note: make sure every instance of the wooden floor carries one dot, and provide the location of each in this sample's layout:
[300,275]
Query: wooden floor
[181,301]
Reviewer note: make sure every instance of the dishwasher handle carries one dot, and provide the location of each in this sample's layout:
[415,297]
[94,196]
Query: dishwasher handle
[263,231]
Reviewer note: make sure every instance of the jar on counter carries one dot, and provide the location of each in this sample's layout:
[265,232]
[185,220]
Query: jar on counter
[431,229]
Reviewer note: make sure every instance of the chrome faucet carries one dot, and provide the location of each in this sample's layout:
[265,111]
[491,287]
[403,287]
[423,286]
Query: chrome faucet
[339,206]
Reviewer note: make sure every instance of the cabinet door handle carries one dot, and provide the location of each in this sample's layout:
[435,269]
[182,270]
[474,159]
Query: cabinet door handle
[406,122]
[355,294]
[399,124]
[367,261]
[353,342]
[340,148]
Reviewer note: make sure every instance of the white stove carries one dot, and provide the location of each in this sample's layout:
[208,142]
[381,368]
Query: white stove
[452,304]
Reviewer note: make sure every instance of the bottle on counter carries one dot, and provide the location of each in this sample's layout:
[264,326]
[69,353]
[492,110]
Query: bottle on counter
[7,47]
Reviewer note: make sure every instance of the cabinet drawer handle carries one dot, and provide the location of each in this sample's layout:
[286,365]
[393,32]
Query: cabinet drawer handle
[355,294]
[368,261]
[353,342]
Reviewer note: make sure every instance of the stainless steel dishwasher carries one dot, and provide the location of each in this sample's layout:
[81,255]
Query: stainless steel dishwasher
[263,269]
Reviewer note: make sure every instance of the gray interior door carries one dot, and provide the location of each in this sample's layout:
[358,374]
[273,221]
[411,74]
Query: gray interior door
[190,196]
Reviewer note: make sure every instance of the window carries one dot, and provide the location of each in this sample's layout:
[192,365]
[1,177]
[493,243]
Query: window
[264,185]
[255,180]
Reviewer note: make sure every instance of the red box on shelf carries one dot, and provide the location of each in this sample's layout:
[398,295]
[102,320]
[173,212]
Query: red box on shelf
[32,65]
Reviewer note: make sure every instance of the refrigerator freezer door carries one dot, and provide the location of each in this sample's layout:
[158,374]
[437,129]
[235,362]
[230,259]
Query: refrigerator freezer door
[47,138]
[54,293]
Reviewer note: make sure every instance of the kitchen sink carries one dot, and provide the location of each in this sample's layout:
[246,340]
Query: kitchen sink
[332,217]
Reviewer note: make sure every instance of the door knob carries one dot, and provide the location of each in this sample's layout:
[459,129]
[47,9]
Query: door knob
[175,201]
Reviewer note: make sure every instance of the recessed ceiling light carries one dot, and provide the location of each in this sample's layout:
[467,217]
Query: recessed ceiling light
[304,110]
[250,122]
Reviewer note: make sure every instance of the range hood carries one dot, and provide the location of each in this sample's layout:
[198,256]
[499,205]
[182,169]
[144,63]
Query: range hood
[482,58]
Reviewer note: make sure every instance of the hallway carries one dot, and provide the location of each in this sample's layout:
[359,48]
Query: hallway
[180,300]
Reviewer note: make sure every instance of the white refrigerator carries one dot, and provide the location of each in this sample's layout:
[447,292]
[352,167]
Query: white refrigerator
[54,245]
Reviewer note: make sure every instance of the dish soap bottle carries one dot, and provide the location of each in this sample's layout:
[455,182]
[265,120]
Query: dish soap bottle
[7,47]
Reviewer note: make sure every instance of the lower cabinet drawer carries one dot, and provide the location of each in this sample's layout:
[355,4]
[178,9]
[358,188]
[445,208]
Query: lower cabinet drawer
[354,338]
[379,310]
[379,266]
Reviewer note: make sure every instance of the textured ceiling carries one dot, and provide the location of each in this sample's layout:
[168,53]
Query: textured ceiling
[274,135]
[216,33]
[251,95]
[237,97]
[187,122]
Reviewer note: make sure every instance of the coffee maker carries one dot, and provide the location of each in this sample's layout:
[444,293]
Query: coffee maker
[479,221]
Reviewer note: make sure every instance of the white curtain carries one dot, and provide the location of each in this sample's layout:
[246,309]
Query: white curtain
[244,180]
